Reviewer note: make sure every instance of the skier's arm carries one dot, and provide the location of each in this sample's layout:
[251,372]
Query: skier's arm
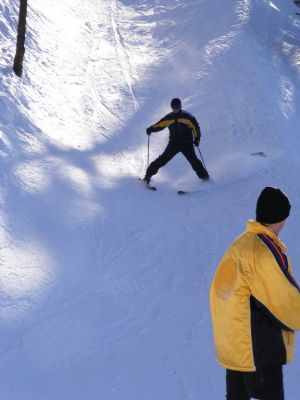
[192,123]
[196,129]
[263,310]
[276,291]
[161,124]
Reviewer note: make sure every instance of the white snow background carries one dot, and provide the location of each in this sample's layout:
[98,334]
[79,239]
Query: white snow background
[103,284]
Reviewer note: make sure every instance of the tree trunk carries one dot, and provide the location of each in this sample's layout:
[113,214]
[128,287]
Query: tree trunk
[20,48]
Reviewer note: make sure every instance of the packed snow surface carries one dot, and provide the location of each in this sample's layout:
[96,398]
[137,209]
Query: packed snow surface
[103,284]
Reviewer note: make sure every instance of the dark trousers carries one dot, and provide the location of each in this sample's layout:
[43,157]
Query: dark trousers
[263,385]
[187,149]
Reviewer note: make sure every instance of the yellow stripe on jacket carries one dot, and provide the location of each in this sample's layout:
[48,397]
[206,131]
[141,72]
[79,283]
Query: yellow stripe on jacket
[167,122]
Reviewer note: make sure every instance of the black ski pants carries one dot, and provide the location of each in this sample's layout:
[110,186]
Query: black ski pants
[187,149]
[263,385]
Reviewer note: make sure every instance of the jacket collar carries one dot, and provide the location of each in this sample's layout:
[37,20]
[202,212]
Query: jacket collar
[258,228]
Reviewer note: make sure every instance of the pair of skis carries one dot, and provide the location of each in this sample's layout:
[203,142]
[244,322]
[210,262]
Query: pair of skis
[181,192]
[151,187]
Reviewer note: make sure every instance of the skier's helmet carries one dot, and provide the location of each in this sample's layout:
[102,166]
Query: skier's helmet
[176,103]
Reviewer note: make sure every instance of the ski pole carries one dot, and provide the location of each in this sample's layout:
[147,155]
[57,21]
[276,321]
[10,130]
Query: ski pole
[201,158]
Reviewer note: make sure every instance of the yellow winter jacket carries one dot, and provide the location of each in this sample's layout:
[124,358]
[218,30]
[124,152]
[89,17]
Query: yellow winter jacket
[255,302]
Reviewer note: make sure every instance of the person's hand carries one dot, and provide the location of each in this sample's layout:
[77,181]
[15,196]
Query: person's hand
[196,142]
[148,131]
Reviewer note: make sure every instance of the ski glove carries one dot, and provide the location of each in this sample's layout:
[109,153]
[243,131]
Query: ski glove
[148,131]
[196,142]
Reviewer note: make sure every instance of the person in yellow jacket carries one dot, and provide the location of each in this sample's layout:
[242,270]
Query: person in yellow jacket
[255,305]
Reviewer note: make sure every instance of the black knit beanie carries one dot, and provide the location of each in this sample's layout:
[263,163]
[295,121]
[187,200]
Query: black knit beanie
[272,206]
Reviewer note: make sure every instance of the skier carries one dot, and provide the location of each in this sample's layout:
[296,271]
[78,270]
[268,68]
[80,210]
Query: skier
[184,131]
[255,305]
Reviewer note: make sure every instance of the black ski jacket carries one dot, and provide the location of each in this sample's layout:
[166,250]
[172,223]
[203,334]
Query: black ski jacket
[182,125]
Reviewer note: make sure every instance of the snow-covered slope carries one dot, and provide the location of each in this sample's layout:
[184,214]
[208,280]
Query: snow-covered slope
[103,284]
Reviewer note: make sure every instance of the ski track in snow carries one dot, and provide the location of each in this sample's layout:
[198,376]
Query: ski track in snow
[123,57]
[103,284]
